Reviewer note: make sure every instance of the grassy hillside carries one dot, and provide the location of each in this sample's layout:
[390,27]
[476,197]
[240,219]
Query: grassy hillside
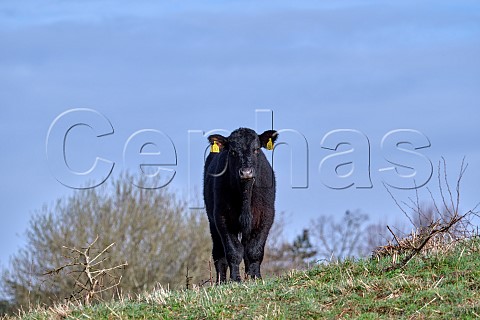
[444,284]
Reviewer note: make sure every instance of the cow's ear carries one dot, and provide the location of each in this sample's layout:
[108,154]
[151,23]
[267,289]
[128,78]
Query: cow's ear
[217,142]
[268,138]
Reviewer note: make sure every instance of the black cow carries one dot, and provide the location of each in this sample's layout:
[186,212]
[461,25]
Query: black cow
[239,192]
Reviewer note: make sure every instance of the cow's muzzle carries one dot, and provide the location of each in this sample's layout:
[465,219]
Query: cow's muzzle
[246,173]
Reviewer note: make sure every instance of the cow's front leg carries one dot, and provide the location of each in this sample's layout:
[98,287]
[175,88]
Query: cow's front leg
[233,248]
[254,251]
[234,253]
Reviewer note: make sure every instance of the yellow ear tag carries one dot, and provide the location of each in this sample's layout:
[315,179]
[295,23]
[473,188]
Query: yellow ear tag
[270,144]
[215,148]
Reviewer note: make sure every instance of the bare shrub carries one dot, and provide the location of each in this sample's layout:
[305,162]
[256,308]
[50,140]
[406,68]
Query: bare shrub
[87,268]
[436,226]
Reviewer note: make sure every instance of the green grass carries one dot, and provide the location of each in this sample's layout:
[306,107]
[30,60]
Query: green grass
[442,285]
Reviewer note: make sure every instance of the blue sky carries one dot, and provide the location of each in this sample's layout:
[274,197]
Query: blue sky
[175,66]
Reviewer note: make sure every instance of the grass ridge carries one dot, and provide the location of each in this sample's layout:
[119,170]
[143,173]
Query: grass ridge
[443,285]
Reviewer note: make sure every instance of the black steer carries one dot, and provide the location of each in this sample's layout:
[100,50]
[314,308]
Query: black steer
[239,192]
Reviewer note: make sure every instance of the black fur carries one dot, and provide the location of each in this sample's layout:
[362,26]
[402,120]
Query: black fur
[239,201]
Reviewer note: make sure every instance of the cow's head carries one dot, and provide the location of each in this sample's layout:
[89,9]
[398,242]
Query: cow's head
[244,147]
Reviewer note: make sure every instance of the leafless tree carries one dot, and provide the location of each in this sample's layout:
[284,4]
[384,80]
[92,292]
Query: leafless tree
[152,230]
[282,255]
[339,239]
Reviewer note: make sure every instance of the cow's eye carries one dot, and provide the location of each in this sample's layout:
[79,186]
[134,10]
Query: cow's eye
[233,153]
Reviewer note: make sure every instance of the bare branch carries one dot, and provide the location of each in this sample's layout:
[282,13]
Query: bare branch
[103,251]
[394,235]
[92,286]
[463,168]
[398,205]
[434,202]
